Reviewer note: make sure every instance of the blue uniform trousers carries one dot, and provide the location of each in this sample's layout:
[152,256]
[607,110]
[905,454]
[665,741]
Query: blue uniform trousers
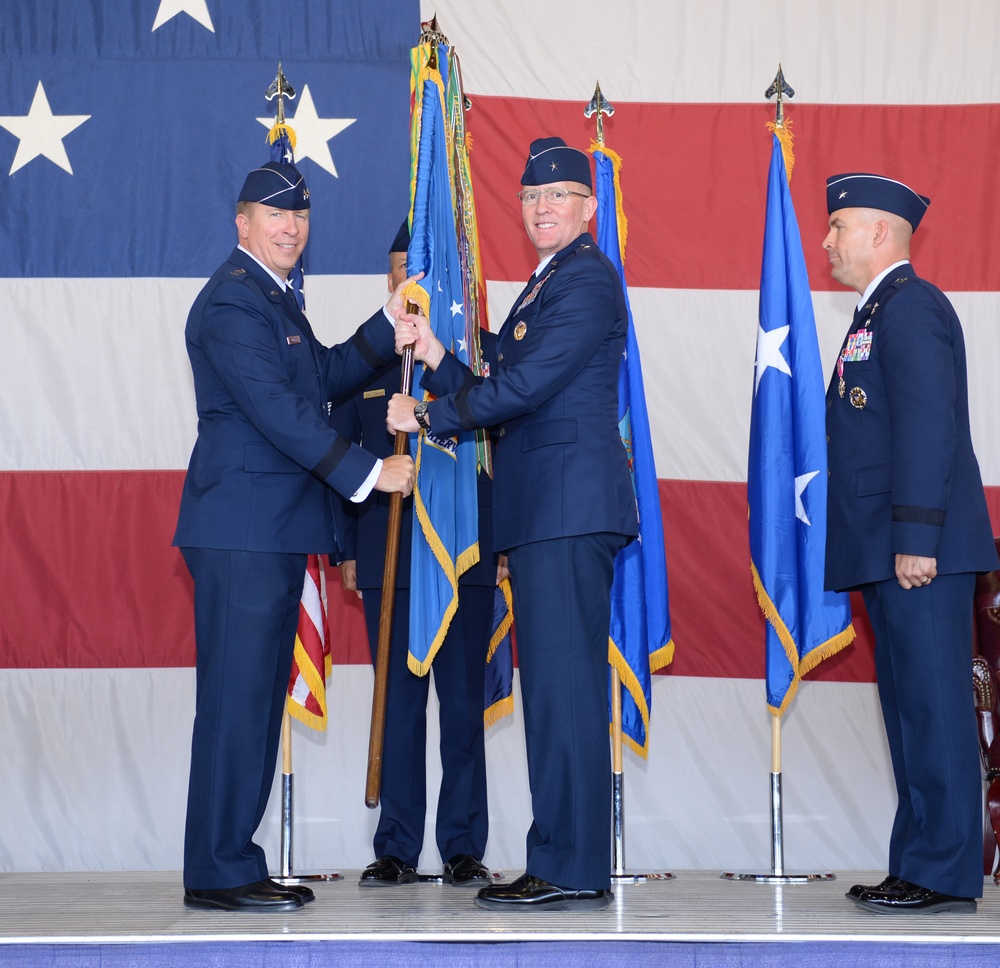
[562,613]
[246,606]
[923,659]
[462,822]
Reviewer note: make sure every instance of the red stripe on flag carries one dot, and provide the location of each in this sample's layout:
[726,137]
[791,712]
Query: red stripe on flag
[90,581]
[693,173]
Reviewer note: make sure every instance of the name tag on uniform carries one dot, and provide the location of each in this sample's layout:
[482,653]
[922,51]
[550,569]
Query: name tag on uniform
[293,340]
[369,394]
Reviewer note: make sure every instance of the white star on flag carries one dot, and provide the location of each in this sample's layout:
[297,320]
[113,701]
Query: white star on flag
[313,132]
[801,482]
[456,308]
[41,132]
[196,9]
[769,352]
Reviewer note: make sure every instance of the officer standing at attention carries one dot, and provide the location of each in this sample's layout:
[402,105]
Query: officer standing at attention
[258,497]
[908,526]
[462,821]
[563,505]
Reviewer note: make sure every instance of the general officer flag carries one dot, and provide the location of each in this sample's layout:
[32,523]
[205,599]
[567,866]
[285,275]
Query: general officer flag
[640,641]
[446,515]
[787,470]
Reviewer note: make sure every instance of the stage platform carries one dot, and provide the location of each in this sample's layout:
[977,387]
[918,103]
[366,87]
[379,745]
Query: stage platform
[696,919]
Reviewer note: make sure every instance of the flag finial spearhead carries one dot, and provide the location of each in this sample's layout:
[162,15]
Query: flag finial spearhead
[430,33]
[280,89]
[600,106]
[781,89]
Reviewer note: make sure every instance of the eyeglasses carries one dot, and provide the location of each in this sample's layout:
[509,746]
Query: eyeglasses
[556,196]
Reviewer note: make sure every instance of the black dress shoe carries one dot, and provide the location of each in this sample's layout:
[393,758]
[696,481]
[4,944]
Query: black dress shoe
[299,890]
[259,896]
[908,898]
[533,894]
[858,889]
[465,869]
[388,870]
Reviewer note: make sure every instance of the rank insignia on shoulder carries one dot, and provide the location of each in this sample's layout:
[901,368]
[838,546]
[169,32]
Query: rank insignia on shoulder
[858,397]
[370,394]
[293,340]
[238,272]
[902,279]
[519,330]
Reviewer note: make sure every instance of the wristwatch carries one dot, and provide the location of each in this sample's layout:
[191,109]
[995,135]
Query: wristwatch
[420,415]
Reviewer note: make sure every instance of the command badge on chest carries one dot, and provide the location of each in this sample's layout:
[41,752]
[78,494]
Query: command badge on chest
[859,399]
[519,330]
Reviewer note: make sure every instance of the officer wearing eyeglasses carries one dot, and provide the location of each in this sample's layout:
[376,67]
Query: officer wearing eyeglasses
[563,506]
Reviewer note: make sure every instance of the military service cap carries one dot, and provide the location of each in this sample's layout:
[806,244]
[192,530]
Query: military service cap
[861,190]
[276,184]
[552,160]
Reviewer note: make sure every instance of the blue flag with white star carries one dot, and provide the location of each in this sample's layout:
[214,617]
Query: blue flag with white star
[445,500]
[787,472]
[281,150]
[142,120]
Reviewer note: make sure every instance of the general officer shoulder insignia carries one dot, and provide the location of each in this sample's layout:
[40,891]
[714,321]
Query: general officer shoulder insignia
[238,272]
[519,330]
[858,397]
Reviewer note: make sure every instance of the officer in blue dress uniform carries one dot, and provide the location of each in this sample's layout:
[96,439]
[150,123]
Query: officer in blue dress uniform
[908,526]
[258,497]
[462,821]
[563,505]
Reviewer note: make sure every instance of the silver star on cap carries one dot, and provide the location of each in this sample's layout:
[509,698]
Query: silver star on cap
[842,195]
[553,166]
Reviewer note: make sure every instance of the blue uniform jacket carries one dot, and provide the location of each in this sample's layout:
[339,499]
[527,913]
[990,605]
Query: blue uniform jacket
[266,457]
[560,468]
[903,475]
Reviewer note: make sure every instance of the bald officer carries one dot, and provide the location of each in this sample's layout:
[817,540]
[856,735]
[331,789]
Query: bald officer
[257,499]
[908,526]
[563,505]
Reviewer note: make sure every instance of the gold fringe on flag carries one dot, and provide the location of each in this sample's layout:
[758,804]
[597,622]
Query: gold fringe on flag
[616,161]
[809,661]
[783,132]
[280,128]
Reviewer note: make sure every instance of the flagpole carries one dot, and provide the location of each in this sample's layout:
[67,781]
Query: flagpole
[376,735]
[287,876]
[600,106]
[780,89]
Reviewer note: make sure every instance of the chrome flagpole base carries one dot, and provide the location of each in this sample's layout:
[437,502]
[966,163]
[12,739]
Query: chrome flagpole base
[777,874]
[306,878]
[287,877]
[619,875]
[640,878]
[770,877]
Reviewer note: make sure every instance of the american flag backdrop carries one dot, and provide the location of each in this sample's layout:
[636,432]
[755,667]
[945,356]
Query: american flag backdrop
[126,127]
